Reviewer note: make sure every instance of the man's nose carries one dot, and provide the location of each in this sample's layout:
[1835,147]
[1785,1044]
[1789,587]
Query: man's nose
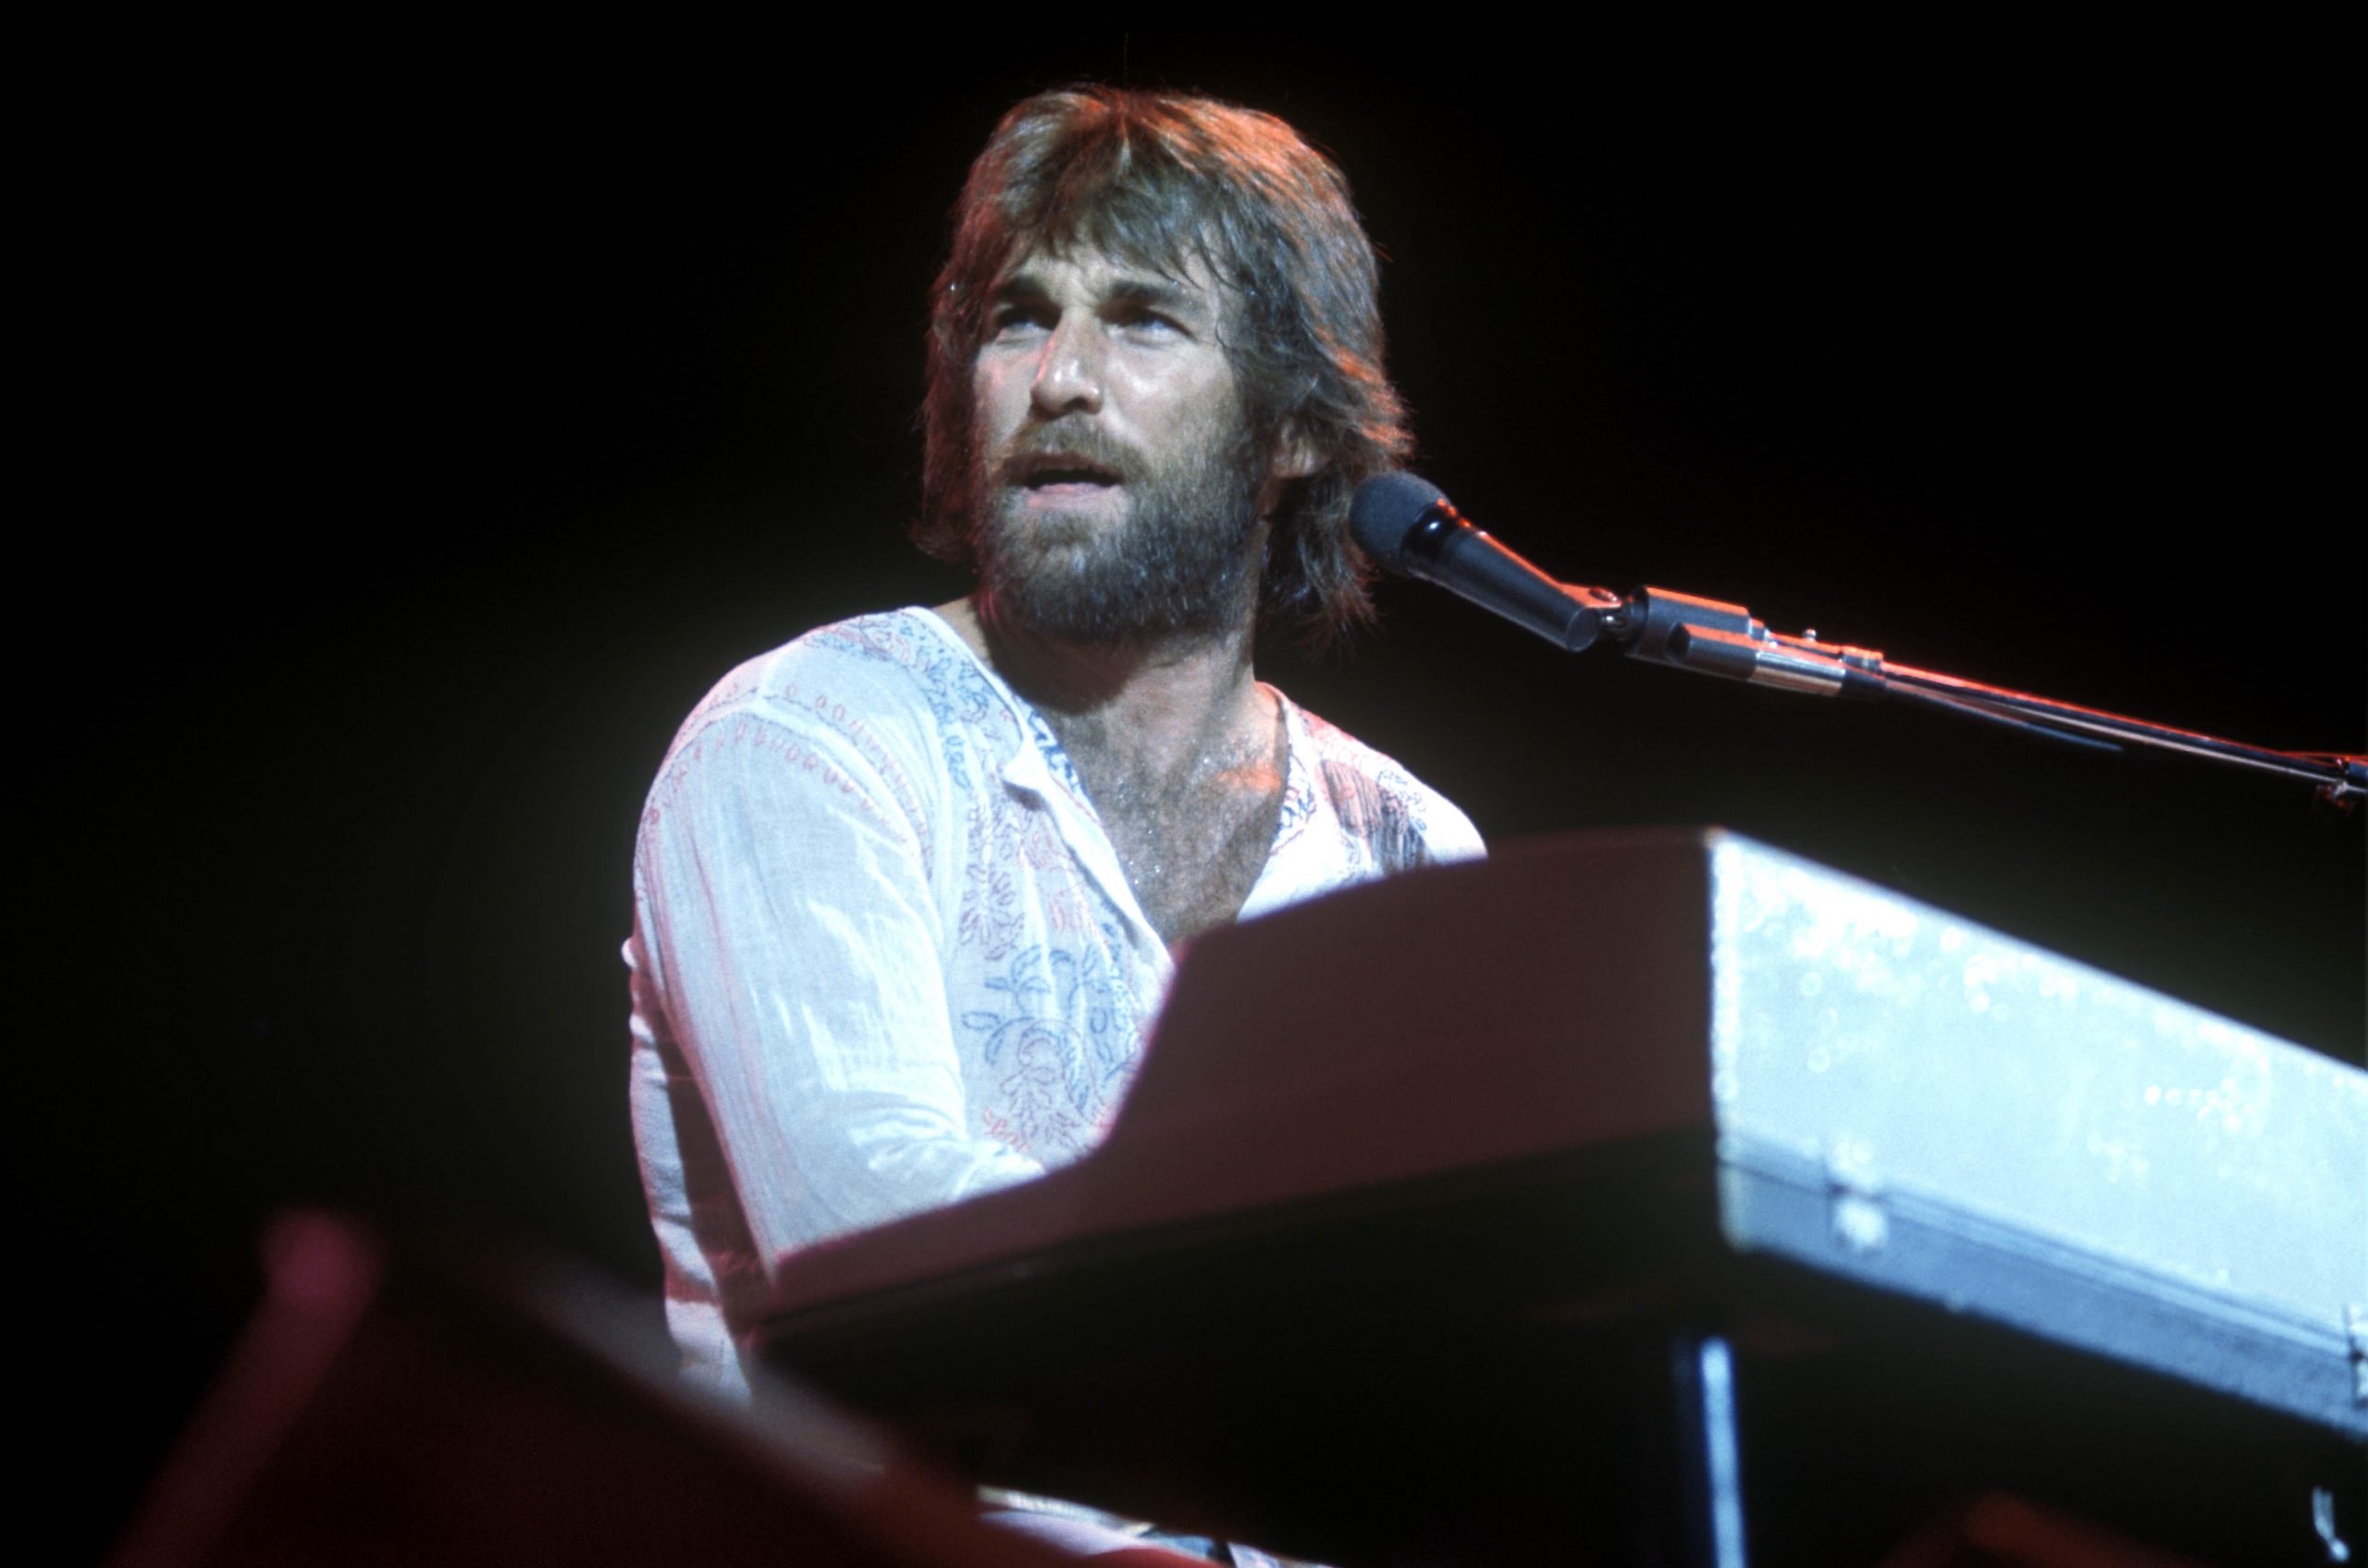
[1068,377]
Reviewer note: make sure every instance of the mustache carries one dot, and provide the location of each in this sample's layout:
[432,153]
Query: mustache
[1067,443]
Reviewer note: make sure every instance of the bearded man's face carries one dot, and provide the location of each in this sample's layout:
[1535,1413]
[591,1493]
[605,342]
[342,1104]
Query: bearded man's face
[1116,489]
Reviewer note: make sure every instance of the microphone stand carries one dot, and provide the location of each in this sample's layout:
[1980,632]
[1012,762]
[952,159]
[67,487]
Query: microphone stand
[1716,638]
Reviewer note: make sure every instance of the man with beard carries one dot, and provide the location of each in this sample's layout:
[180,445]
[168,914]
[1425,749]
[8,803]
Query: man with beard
[907,890]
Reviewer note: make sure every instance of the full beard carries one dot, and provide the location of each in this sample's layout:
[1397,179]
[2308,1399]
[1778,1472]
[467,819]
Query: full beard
[1181,560]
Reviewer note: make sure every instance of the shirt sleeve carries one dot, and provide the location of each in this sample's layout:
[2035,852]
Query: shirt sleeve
[791,940]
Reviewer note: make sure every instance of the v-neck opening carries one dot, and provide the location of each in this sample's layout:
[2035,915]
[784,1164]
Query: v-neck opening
[1038,739]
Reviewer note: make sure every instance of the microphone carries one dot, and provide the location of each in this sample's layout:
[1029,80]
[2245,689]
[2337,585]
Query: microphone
[1404,523]
[1412,530]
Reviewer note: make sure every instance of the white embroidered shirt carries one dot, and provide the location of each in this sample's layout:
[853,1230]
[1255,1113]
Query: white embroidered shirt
[884,955]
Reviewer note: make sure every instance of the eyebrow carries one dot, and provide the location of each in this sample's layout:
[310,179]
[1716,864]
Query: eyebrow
[1157,293]
[1149,292]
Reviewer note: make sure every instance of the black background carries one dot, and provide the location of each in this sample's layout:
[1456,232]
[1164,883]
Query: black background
[431,437]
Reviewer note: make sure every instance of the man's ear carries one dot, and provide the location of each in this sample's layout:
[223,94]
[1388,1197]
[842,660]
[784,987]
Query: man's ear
[1295,455]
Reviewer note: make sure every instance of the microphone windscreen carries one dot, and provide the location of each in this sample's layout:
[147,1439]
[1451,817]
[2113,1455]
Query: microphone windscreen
[1384,509]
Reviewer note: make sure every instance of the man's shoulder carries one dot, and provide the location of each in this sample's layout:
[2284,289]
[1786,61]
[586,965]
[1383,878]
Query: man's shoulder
[1376,797]
[893,695]
[896,664]
[1335,749]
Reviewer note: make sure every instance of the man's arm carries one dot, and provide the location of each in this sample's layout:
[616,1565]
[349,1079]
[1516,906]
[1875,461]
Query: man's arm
[786,954]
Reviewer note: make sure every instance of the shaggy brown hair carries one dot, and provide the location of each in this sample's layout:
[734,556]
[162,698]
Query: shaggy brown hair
[1148,179]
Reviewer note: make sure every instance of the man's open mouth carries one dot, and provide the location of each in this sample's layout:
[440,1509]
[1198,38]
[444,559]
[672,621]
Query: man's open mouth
[1043,470]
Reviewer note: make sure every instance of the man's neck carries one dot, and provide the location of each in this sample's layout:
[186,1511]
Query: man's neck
[1179,748]
[1157,705]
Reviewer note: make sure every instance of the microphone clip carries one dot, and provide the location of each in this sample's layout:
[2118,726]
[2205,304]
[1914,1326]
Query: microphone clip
[1713,638]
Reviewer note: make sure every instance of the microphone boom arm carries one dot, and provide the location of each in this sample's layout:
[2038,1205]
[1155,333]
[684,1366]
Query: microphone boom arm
[1716,638]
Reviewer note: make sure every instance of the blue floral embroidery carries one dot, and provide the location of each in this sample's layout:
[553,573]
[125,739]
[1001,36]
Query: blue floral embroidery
[952,687]
[1070,1003]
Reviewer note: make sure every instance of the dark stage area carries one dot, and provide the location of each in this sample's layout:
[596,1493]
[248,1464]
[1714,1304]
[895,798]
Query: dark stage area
[440,437]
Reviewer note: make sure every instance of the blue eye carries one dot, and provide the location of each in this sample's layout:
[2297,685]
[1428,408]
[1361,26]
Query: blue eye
[1147,321]
[1015,319]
